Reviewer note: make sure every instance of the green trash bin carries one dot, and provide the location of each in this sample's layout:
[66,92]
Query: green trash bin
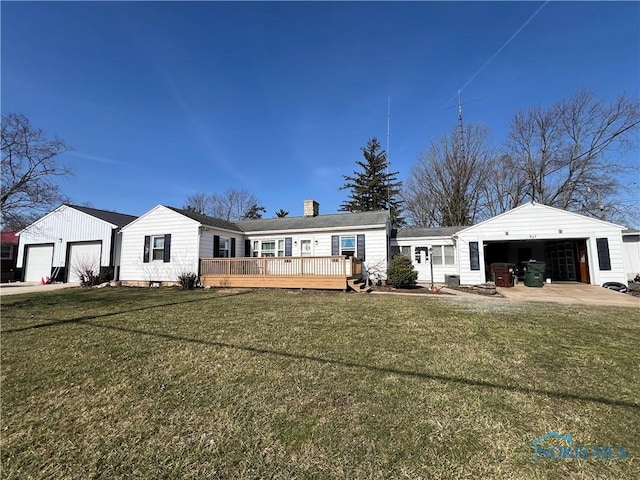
[534,275]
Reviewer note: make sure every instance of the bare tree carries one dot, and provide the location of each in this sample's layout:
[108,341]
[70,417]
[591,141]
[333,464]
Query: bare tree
[231,205]
[569,154]
[199,203]
[29,169]
[446,185]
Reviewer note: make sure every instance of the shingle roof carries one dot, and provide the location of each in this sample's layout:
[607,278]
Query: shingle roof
[9,237]
[631,231]
[206,220]
[118,219]
[415,232]
[337,220]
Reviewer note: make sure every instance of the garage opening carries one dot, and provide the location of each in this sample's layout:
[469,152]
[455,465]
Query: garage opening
[38,261]
[565,260]
[83,257]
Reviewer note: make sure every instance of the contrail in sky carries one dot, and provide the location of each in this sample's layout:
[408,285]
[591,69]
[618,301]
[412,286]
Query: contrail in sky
[491,58]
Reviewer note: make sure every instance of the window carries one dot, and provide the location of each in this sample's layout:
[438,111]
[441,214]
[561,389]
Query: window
[418,256]
[157,248]
[436,255]
[256,248]
[449,255]
[7,252]
[225,248]
[604,259]
[268,248]
[348,246]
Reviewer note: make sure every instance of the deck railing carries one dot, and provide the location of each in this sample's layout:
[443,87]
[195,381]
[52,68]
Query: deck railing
[333,266]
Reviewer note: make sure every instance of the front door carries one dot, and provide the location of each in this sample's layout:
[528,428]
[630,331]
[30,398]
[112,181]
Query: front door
[306,249]
[583,262]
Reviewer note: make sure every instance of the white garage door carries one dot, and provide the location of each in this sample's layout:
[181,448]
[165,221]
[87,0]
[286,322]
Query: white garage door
[82,257]
[38,265]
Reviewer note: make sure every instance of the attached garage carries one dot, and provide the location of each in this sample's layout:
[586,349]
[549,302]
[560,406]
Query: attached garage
[38,261]
[82,257]
[573,247]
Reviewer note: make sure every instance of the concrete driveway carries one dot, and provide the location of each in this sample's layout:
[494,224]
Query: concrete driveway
[570,293]
[16,288]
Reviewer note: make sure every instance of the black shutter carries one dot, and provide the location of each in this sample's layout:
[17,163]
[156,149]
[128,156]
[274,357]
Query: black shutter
[474,255]
[147,249]
[335,245]
[166,258]
[233,247]
[604,260]
[247,248]
[360,252]
[216,246]
[287,246]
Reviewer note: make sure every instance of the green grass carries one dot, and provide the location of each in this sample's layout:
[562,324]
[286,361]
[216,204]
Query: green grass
[163,383]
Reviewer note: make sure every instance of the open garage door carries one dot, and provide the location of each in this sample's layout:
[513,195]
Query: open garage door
[38,262]
[83,257]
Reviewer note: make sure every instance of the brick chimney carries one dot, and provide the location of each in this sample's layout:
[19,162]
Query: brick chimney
[311,208]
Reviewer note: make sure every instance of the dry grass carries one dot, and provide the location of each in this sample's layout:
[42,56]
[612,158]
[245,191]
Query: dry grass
[274,384]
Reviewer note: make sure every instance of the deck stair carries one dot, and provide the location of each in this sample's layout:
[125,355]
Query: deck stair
[358,285]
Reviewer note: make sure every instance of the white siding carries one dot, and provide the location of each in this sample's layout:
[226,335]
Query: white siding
[424,269]
[66,225]
[375,245]
[206,241]
[631,252]
[536,223]
[184,247]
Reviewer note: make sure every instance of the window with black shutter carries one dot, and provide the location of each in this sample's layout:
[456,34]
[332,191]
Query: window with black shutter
[604,260]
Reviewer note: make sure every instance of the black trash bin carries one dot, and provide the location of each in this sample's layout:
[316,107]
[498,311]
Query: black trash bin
[503,274]
[534,274]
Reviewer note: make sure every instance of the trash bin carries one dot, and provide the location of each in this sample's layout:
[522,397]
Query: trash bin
[452,280]
[534,275]
[503,274]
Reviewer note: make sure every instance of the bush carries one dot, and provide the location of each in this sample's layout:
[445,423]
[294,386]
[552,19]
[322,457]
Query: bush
[188,280]
[401,273]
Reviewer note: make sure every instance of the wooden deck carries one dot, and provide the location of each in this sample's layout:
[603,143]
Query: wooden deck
[280,272]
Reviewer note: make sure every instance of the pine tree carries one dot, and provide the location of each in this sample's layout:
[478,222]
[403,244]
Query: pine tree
[374,188]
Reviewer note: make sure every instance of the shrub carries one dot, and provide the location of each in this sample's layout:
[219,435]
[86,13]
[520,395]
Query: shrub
[88,272]
[401,273]
[188,280]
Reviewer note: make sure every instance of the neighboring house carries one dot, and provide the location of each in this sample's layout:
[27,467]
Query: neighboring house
[166,242]
[8,256]
[631,249]
[69,239]
[574,247]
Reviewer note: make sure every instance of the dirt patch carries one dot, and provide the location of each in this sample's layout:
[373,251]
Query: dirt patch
[417,289]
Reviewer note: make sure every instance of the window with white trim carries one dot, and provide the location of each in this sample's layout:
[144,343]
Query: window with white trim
[224,250]
[157,248]
[348,246]
[449,255]
[268,248]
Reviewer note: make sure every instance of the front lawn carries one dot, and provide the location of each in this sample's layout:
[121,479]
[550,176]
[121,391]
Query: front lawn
[164,383]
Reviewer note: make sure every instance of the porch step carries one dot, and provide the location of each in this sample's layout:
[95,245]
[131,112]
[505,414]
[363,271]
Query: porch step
[359,286]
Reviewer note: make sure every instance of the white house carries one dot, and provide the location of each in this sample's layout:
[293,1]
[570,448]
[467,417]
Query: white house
[166,242]
[631,251]
[574,247]
[432,251]
[68,239]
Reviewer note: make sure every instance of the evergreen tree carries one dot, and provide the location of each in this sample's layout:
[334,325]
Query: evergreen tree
[374,188]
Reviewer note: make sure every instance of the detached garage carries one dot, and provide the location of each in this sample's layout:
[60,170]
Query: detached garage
[573,247]
[71,239]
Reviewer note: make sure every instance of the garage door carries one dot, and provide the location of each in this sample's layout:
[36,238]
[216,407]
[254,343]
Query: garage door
[82,257]
[38,264]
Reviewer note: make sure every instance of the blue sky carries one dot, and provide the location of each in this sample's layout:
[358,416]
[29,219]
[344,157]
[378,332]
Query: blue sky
[164,99]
